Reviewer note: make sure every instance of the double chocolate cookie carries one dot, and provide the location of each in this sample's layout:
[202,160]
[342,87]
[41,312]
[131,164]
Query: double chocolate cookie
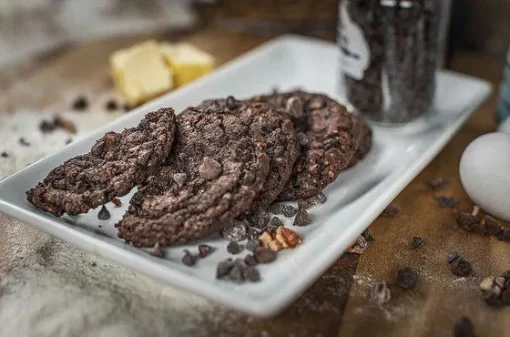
[220,162]
[115,164]
[272,127]
[331,140]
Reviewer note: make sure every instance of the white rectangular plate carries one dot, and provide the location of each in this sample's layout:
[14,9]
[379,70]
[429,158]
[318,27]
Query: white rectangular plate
[354,200]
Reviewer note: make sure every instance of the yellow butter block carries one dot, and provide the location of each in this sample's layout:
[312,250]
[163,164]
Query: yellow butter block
[140,72]
[187,62]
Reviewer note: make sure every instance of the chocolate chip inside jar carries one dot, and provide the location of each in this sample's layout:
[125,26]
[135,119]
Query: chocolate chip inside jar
[389,56]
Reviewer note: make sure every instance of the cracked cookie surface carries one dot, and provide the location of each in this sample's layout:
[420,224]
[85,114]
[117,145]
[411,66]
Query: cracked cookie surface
[331,140]
[274,128]
[115,164]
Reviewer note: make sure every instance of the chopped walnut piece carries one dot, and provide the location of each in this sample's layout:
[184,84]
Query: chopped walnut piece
[287,237]
[280,239]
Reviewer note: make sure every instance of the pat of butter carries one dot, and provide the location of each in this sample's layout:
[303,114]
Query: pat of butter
[140,72]
[187,62]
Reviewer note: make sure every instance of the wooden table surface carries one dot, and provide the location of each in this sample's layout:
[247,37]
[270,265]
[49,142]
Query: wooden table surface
[337,304]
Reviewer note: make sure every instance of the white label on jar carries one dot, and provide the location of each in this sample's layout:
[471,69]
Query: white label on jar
[354,51]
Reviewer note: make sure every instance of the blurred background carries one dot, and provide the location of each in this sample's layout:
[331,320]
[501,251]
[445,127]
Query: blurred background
[30,26]
[54,62]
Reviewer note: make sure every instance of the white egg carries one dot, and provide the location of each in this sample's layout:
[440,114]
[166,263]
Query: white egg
[504,126]
[485,173]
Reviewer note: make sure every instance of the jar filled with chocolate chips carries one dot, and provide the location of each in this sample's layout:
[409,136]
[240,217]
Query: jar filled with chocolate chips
[390,53]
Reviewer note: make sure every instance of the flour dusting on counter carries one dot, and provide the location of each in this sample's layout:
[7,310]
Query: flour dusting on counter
[61,290]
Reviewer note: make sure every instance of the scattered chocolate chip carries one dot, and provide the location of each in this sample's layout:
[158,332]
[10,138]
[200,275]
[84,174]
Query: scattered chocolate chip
[253,233]
[204,250]
[236,272]
[234,248]
[312,201]
[4,154]
[189,259]
[304,204]
[318,199]
[447,202]
[224,267]
[288,211]
[390,211]
[23,142]
[276,208]
[250,260]
[46,126]
[93,264]
[463,328]
[264,255]
[467,221]
[180,179]
[367,234]
[111,105]
[116,201]
[359,246]
[80,103]
[490,226]
[460,267]
[438,183]
[156,251]
[493,300]
[274,224]
[452,256]
[406,278]
[417,242]
[103,213]
[302,218]
[380,293]
[64,124]
[235,231]
[504,235]
[259,218]
[252,245]
[251,274]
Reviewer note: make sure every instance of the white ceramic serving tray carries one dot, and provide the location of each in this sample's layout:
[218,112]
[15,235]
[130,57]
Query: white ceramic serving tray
[354,200]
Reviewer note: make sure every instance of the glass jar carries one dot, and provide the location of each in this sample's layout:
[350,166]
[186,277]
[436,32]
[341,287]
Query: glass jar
[390,51]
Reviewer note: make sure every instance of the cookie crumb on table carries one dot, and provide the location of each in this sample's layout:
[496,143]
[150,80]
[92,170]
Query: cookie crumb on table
[406,278]
[80,103]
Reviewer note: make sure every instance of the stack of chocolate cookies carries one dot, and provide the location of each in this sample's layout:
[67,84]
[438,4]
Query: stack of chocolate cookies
[222,161]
